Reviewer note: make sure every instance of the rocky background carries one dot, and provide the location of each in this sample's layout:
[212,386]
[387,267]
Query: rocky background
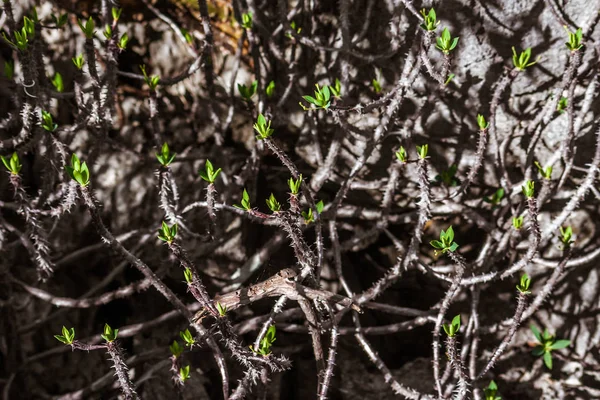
[382,207]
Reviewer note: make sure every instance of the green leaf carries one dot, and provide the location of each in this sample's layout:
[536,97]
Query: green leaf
[29,27]
[188,275]
[450,77]
[245,202]
[437,244]
[481,122]
[453,247]
[70,171]
[216,174]
[85,174]
[538,351]
[548,360]
[320,205]
[221,309]
[517,222]
[270,335]
[261,120]
[446,35]
[449,234]
[270,89]
[536,333]
[310,99]
[448,329]
[376,86]
[204,176]
[560,344]
[456,323]
[75,162]
[326,93]
[6,163]
[454,43]
[422,150]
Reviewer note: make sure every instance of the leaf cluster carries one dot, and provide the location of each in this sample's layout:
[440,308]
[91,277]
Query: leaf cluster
[23,36]
[209,174]
[48,122]
[521,61]
[321,99]
[166,233]
[546,344]
[309,216]
[67,335]
[575,39]
[248,91]
[491,392]
[445,43]
[78,61]
[13,164]
[452,328]
[87,27]
[524,284]
[188,338]
[546,173]
[430,21]
[266,343]
[273,204]
[247,20]
[529,189]
[566,235]
[401,154]
[295,184]
[263,127]
[110,334]
[245,202]
[482,123]
[184,373]
[517,222]
[165,157]
[151,81]
[78,171]
[176,349]
[446,242]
